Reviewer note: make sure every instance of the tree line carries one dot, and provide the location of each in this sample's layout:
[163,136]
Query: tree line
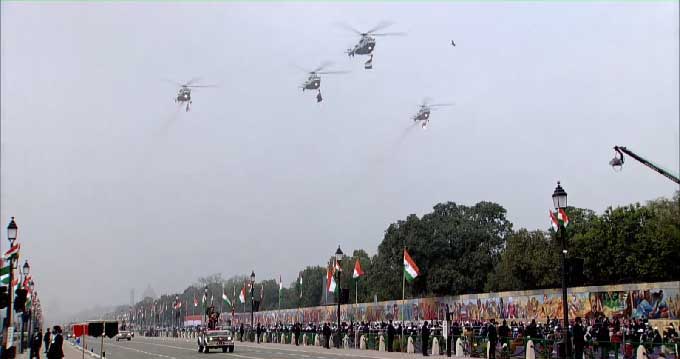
[472,249]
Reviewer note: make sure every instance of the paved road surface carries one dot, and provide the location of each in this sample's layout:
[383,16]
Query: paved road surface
[169,348]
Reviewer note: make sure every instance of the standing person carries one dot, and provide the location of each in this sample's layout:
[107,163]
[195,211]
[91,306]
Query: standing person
[241,331]
[297,329]
[579,339]
[36,343]
[390,336]
[425,334]
[326,335]
[258,331]
[47,339]
[55,351]
[492,334]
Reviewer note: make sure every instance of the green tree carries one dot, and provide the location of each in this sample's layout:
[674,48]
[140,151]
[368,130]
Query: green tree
[529,260]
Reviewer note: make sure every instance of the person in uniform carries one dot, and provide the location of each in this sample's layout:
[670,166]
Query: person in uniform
[425,334]
[390,336]
[55,351]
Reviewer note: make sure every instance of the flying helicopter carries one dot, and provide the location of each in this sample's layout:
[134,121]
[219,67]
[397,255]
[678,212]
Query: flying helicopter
[184,93]
[423,115]
[313,81]
[366,44]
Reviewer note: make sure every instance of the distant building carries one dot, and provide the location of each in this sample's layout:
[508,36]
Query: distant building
[149,292]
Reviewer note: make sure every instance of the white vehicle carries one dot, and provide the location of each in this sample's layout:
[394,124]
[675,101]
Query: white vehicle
[124,335]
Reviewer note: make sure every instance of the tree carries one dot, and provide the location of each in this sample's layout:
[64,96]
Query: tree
[530,260]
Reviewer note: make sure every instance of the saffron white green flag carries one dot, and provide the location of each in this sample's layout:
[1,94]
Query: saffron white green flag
[331,286]
[225,298]
[410,268]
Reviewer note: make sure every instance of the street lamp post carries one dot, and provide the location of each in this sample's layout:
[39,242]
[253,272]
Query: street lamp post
[25,270]
[12,230]
[560,202]
[205,300]
[31,320]
[338,258]
[252,301]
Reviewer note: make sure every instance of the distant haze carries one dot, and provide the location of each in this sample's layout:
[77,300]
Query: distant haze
[114,186]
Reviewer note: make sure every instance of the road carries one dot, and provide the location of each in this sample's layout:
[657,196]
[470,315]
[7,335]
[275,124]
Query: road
[170,348]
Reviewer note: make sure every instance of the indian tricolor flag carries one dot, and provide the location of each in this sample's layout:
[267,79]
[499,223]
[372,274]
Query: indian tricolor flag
[225,298]
[553,220]
[242,295]
[411,270]
[562,216]
[4,272]
[358,272]
[330,281]
[13,252]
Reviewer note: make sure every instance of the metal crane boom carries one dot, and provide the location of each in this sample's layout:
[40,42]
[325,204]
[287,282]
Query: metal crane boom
[618,161]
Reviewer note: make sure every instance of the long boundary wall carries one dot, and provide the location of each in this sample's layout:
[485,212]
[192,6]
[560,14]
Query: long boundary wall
[645,300]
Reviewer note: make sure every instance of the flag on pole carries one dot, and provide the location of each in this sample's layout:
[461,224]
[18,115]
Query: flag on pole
[262,292]
[4,272]
[212,299]
[562,216]
[13,252]
[225,298]
[337,266]
[300,281]
[280,284]
[205,300]
[358,272]
[242,296]
[410,268]
[553,220]
[330,281]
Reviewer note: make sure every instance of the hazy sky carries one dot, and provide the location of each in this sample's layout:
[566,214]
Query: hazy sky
[114,187]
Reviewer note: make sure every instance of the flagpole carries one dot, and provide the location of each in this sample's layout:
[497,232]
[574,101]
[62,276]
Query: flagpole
[403,295]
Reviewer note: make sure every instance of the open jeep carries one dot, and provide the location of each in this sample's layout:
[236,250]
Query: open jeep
[213,339]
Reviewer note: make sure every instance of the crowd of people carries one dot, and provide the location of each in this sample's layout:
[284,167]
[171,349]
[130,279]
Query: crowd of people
[600,336]
[53,343]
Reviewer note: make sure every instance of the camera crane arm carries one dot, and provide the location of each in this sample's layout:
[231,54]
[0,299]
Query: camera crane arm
[618,162]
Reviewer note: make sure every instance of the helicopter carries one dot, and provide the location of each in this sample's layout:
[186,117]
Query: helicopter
[184,93]
[313,82]
[366,44]
[423,114]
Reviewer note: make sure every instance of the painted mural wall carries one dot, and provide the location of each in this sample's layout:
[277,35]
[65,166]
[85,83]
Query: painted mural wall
[646,301]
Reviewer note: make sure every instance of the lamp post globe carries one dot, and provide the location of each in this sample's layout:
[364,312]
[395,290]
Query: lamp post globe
[26,269]
[338,254]
[559,197]
[252,277]
[12,230]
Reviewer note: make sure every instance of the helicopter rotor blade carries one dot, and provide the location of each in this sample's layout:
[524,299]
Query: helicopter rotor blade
[322,66]
[195,86]
[331,72]
[380,26]
[349,28]
[441,104]
[172,82]
[192,81]
[425,101]
[390,34]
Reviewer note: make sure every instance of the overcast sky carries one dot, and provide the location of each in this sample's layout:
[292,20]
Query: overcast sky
[114,186]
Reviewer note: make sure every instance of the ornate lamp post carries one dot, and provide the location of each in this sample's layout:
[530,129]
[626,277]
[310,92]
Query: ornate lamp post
[252,300]
[12,230]
[560,202]
[25,270]
[338,258]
